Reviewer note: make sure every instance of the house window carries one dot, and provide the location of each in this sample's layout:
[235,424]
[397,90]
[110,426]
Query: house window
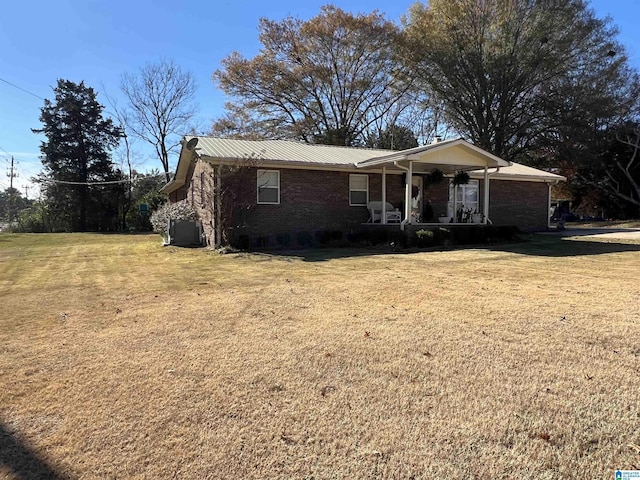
[466,197]
[269,187]
[358,190]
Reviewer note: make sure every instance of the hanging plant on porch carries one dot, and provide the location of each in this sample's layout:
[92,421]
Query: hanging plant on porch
[434,177]
[460,178]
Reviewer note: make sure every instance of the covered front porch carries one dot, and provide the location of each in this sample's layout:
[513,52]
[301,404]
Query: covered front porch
[466,202]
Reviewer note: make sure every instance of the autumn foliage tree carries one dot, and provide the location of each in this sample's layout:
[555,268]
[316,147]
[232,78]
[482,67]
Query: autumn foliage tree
[520,77]
[331,79]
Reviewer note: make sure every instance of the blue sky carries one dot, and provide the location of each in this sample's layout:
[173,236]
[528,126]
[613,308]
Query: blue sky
[98,40]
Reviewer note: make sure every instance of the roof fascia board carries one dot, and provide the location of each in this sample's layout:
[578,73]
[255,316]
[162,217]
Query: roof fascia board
[517,178]
[412,154]
[288,165]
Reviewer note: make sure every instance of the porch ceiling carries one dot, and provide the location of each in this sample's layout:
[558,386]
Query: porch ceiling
[448,156]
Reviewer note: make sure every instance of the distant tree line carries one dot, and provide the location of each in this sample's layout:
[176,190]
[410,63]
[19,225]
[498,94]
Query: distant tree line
[82,188]
[542,82]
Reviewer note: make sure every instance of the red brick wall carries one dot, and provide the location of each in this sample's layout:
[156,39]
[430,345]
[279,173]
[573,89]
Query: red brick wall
[199,192]
[524,204]
[439,195]
[313,200]
[310,200]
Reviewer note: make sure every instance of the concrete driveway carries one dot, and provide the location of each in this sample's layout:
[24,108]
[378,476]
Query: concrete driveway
[612,233]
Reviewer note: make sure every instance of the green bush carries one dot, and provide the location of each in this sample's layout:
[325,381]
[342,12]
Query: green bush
[304,239]
[398,239]
[424,238]
[262,241]
[442,236]
[241,242]
[377,236]
[283,239]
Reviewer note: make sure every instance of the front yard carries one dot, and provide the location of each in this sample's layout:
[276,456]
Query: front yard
[123,359]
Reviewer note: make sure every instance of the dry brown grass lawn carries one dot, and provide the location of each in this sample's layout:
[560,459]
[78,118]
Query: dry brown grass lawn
[123,359]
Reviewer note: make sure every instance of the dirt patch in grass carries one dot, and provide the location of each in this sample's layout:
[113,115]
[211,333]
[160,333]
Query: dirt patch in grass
[123,359]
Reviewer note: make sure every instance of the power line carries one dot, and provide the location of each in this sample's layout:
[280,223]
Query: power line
[64,182]
[110,182]
[5,151]
[20,88]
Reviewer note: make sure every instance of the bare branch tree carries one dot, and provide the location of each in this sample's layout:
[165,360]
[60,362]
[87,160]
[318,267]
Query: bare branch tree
[161,98]
[614,169]
[331,79]
[629,168]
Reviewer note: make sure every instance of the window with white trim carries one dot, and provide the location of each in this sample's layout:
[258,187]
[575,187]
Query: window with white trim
[268,186]
[358,190]
[466,197]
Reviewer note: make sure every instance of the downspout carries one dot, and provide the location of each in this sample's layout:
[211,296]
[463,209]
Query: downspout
[485,204]
[383,218]
[407,211]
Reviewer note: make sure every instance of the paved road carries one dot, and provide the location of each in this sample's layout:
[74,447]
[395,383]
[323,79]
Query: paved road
[604,233]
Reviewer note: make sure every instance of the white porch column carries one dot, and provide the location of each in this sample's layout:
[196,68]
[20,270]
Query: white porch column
[454,201]
[485,208]
[383,219]
[407,194]
[549,208]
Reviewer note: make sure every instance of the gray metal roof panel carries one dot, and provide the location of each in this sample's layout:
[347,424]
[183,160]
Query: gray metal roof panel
[286,151]
[283,151]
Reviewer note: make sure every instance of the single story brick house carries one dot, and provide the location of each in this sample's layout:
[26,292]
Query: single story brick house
[264,190]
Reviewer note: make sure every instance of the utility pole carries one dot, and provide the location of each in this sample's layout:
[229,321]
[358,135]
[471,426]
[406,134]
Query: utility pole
[26,192]
[11,174]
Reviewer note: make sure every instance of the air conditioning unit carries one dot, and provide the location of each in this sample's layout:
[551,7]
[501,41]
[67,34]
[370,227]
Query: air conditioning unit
[185,233]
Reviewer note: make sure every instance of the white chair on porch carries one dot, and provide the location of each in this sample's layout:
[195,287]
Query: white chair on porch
[393,215]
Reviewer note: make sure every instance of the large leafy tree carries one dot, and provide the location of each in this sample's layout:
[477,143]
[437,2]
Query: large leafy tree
[79,179]
[523,79]
[332,79]
[161,106]
[613,170]
[11,203]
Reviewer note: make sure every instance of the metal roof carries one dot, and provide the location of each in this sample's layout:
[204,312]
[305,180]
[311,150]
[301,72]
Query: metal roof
[283,151]
[517,171]
[292,153]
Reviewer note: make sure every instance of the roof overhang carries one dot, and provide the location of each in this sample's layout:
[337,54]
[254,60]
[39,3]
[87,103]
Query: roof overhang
[184,161]
[448,156]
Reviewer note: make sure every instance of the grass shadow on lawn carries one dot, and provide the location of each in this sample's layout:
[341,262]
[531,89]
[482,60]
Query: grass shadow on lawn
[537,245]
[21,460]
[551,246]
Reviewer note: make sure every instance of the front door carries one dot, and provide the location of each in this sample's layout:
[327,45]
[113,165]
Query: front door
[416,199]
